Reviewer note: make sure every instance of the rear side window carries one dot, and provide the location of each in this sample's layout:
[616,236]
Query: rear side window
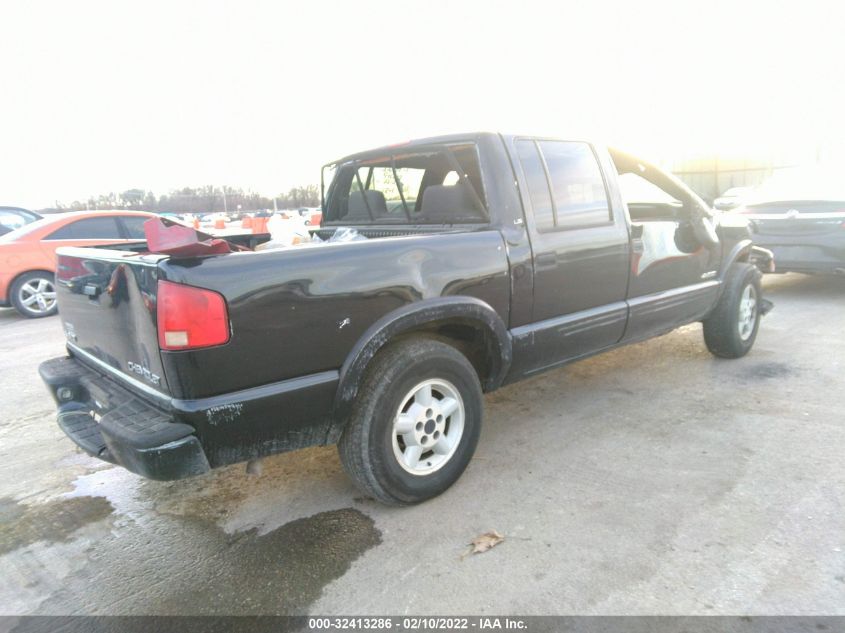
[572,178]
[134,227]
[438,184]
[88,229]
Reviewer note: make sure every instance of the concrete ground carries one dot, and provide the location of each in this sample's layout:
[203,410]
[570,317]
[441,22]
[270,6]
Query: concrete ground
[654,479]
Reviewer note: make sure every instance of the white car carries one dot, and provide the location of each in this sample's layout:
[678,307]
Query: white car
[732,197]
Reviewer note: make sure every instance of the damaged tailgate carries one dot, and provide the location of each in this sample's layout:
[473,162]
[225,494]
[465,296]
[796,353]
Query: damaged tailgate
[108,310]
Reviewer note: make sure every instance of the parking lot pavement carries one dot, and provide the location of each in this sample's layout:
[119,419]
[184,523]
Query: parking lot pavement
[651,479]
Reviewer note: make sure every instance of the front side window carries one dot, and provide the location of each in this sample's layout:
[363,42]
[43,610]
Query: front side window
[636,189]
[646,201]
[430,185]
[88,229]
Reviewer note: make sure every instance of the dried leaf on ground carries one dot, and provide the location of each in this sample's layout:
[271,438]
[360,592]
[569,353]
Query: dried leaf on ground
[484,542]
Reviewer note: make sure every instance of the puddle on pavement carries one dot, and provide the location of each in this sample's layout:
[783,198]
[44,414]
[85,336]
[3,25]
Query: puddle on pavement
[169,550]
[280,572]
[190,566]
[226,496]
[238,502]
[56,520]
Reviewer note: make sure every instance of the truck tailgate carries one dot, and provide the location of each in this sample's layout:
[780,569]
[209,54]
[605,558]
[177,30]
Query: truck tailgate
[107,303]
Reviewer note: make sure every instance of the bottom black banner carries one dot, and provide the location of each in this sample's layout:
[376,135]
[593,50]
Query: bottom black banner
[528,624]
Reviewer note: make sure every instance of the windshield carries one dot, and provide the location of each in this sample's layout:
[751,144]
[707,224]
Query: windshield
[29,228]
[11,219]
[24,230]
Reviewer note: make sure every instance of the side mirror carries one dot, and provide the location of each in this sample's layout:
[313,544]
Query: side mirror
[705,231]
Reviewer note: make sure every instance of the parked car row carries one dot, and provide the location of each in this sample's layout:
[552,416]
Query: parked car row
[28,244]
[28,254]
[799,215]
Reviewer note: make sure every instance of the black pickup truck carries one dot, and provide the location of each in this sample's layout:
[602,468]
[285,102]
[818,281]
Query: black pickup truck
[481,259]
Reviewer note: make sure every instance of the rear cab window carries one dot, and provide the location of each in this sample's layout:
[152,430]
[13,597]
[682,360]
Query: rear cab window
[429,185]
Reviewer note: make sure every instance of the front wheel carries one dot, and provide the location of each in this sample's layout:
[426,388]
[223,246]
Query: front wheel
[34,295]
[415,423]
[731,328]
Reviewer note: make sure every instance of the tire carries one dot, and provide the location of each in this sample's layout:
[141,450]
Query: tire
[34,295]
[731,328]
[417,394]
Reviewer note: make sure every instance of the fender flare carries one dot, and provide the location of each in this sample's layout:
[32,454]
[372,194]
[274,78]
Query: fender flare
[409,318]
[739,249]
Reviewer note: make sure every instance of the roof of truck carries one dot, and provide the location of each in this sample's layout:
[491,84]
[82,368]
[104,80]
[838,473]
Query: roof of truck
[448,138]
[429,140]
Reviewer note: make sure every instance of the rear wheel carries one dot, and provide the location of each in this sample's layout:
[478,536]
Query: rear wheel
[731,329]
[415,423]
[34,295]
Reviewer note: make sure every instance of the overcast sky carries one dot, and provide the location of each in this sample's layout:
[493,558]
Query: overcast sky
[106,96]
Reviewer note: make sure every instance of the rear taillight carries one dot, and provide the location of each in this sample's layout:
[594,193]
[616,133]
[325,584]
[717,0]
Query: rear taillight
[190,317]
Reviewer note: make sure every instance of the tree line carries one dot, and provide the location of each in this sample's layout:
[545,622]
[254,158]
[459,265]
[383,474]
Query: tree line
[207,199]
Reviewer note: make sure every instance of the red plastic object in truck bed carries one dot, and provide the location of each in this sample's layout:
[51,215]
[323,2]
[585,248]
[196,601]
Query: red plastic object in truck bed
[169,238]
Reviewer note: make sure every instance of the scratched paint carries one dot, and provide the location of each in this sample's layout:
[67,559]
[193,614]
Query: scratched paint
[224,413]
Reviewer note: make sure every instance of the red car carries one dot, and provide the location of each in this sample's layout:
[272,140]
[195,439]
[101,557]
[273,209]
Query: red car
[28,254]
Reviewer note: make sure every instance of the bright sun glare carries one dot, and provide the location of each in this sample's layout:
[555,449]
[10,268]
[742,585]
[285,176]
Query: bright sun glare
[108,96]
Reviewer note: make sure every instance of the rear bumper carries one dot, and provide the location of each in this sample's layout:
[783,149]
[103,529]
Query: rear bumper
[110,423]
[809,258]
[168,438]
[811,268]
